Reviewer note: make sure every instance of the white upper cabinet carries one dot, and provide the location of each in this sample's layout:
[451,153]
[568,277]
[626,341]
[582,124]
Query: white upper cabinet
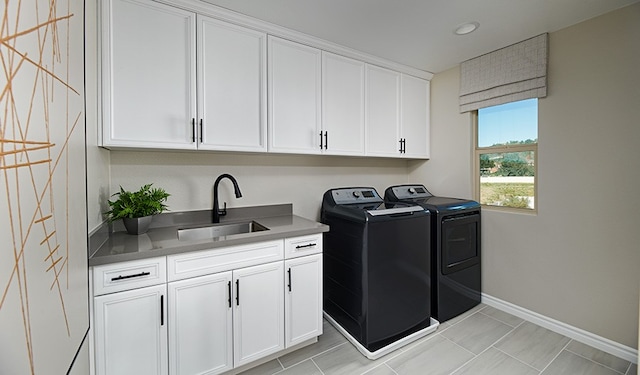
[231,87]
[148,71]
[342,105]
[150,80]
[195,78]
[414,115]
[294,97]
[383,112]
[397,108]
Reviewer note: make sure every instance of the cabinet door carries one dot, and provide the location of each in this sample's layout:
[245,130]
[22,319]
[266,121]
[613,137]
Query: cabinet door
[131,332]
[294,97]
[415,116]
[232,81]
[303,299]
[382,112]
[258,315]
[200,325]
[342,105]
[148,72]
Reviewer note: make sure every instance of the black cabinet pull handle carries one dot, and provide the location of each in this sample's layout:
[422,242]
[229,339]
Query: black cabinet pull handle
[201,131]
[404,145]
[120,277]
[193,130]
[229,285]
[289,272]
[326,140]
[238,292]
[304,246]
[400,150]
[321,145]
[161,310]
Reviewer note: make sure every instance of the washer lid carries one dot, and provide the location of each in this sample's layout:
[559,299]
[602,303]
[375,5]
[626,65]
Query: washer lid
[394,210]
[418,194]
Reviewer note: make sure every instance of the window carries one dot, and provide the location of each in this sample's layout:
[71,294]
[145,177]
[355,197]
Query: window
[506,155]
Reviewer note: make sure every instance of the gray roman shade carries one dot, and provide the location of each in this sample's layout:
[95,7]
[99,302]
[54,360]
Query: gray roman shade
[513,73]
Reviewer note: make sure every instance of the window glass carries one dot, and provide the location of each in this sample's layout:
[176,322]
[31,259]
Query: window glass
[506,154]
[511,123]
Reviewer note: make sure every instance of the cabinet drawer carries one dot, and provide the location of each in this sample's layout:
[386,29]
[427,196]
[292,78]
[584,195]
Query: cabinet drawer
[200,263]
[301,246]
[117,277]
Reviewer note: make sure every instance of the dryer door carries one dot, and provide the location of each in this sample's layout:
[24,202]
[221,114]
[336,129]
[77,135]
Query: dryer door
[460,242]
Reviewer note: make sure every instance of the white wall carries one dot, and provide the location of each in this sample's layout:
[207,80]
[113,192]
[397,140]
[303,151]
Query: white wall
[263,178]
[448,173]
[578,259]
[97,158]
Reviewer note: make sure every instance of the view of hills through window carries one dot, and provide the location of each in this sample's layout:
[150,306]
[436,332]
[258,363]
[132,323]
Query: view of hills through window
[506,154]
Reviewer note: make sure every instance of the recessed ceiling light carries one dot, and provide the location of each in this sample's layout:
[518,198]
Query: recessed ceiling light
[466,28]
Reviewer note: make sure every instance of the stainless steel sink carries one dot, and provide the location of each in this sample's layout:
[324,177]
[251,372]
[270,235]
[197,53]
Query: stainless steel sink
[218,230]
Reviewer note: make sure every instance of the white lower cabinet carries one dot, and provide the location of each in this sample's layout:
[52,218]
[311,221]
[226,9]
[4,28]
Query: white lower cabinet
[258,315]
[212,311]
[200,325]
[131,332]
[221,321]
[303,299]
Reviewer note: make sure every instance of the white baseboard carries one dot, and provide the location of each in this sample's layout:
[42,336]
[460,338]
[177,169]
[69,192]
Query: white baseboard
[609,346]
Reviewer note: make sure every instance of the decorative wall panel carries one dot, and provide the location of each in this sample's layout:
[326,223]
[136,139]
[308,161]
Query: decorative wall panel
[43,256]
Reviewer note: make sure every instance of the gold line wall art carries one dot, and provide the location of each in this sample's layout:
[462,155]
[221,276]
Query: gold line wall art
[43,231]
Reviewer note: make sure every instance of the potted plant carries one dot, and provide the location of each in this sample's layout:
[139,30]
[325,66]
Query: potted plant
[136,209]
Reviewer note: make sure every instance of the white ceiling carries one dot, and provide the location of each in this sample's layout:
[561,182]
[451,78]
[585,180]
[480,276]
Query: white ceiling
[419,33]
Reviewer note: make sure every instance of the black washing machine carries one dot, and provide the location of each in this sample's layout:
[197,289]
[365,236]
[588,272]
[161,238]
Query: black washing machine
[455,248]
[376,262]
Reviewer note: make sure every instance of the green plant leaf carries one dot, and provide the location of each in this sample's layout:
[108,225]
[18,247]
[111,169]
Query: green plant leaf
[144,202]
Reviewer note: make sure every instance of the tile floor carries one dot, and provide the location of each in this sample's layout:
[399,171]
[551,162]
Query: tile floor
[482,341]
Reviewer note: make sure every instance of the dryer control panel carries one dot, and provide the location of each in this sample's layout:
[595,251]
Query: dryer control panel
[410,191]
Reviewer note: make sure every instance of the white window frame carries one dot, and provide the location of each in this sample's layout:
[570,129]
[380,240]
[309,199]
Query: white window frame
[496,150]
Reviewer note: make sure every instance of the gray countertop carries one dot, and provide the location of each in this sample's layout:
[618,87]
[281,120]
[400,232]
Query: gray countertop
[162,237]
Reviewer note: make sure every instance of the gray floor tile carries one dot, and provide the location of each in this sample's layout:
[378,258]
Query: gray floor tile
[381,370]
[495,362]
[633,370]
[330,338]
[477,332]
[532,344]
[502,316]
[267,368]
[345,359]
[443,326]
[434,356]
[464,315]
[569,363]
[598,356]
[303,368]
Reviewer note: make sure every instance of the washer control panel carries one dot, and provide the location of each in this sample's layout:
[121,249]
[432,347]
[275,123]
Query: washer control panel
[355,195]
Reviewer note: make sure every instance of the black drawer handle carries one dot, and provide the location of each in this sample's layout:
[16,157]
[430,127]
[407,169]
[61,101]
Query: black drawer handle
[161,309]
[304,246]
[238,292]
[130,276]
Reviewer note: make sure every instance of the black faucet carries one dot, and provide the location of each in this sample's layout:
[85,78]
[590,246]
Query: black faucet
[216,210]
